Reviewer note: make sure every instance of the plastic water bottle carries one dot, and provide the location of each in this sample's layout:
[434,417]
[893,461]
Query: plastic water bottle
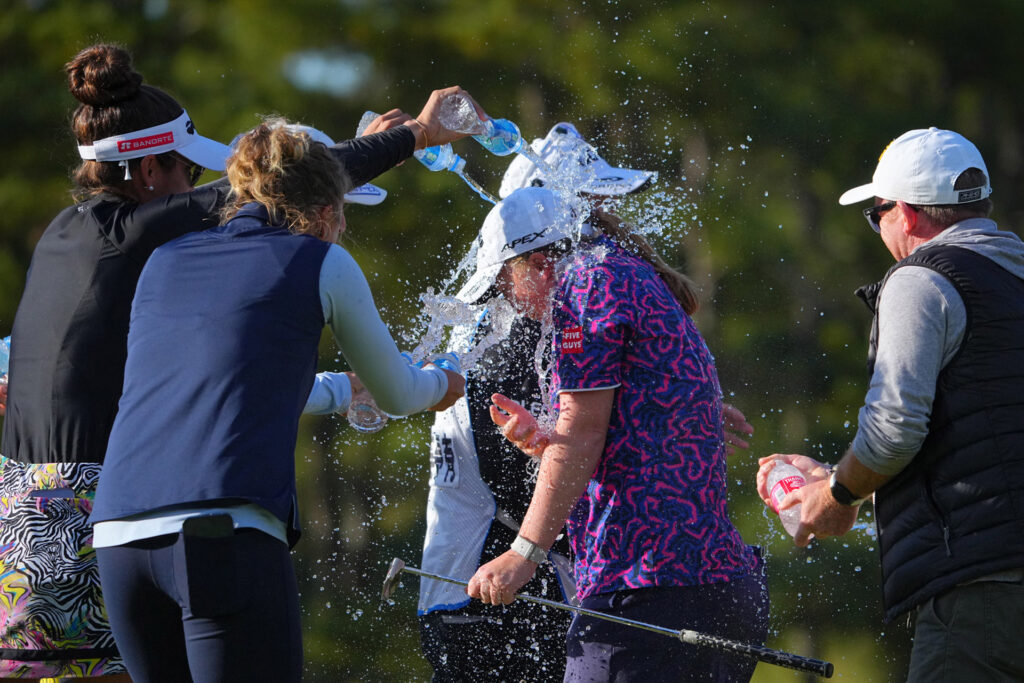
[498,136]
[436,158]
[440,158]
[365,416]
[783,479]
[5,358]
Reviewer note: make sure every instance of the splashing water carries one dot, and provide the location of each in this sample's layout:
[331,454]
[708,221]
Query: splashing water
[527,151]
[451,324]
[477,187]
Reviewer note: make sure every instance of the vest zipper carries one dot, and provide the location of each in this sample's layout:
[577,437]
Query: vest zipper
[938,511]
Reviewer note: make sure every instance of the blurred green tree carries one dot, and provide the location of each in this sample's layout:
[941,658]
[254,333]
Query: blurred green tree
[755,115]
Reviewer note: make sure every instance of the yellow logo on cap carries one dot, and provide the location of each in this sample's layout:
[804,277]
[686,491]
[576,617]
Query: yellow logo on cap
[886,149]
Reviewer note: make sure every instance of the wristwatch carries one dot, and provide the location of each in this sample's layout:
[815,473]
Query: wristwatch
[530,550]
[843,495]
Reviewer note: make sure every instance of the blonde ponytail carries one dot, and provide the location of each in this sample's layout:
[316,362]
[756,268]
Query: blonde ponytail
[681,286]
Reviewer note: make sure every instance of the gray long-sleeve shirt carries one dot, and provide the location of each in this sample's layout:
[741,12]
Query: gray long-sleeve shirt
[921,324]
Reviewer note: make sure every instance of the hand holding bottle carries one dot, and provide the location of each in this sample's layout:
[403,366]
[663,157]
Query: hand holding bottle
[452,366]
[436,158]
[365,416]
[428,119]
[499,136]
[373,122]
[812,493]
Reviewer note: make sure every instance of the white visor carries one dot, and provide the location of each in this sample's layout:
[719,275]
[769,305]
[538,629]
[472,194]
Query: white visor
[177,135]
[575,165]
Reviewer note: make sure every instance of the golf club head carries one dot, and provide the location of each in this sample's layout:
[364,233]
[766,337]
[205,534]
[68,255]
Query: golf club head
[392,578]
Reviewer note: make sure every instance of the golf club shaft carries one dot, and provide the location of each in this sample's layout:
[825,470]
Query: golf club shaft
[758,652]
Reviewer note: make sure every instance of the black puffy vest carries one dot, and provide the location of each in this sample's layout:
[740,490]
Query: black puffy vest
[956,512]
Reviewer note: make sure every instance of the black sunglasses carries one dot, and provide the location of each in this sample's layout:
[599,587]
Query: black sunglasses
[194,170]
[873,214]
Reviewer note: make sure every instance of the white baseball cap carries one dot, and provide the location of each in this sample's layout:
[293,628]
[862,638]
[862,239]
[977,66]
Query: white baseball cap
[920,167]
[369,195]
[526,220]
[178,134]
[575,164]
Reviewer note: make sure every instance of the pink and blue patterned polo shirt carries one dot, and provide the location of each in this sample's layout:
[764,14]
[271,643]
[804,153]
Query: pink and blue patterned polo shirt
[654,513]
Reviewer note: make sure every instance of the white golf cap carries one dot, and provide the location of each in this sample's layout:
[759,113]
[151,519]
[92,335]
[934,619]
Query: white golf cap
[528,219]
[920,167]
[575,164]
[177,135]
[369,195]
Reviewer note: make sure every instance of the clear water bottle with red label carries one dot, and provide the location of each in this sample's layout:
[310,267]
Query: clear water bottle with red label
[782,480]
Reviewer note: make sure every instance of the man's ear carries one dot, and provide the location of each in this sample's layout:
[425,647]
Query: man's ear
[910,218]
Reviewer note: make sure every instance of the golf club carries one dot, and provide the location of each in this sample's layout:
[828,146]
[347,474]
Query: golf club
[758,652]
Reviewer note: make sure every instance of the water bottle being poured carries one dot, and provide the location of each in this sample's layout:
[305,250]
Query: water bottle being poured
[498,136]
[437,158]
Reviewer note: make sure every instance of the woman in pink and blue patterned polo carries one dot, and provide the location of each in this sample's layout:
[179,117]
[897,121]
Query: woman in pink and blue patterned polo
[636,460]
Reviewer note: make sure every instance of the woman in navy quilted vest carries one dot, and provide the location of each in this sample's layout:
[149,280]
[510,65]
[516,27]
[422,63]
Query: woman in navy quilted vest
[196,509]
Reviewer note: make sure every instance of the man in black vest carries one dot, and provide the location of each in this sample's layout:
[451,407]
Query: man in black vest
[940,438]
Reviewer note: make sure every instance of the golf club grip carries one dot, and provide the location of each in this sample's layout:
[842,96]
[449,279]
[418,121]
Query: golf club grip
[763,654]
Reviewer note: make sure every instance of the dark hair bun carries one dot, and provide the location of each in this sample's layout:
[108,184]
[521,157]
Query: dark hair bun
[102,75]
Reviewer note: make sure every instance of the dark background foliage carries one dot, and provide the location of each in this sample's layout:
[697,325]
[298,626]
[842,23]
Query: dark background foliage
[756,116]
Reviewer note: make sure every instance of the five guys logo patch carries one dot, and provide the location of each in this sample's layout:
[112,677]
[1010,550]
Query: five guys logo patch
[572,339]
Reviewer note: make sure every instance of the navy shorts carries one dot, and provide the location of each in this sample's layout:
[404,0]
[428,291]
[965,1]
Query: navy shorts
[600,650]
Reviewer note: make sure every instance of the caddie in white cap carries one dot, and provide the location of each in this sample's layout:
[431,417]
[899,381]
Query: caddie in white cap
[921,167]
[576,164]
[940,437]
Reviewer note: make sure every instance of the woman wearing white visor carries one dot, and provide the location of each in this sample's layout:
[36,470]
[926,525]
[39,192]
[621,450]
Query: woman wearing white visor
[141,159]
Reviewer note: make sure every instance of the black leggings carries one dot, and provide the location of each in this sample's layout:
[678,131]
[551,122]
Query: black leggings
[193,608]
